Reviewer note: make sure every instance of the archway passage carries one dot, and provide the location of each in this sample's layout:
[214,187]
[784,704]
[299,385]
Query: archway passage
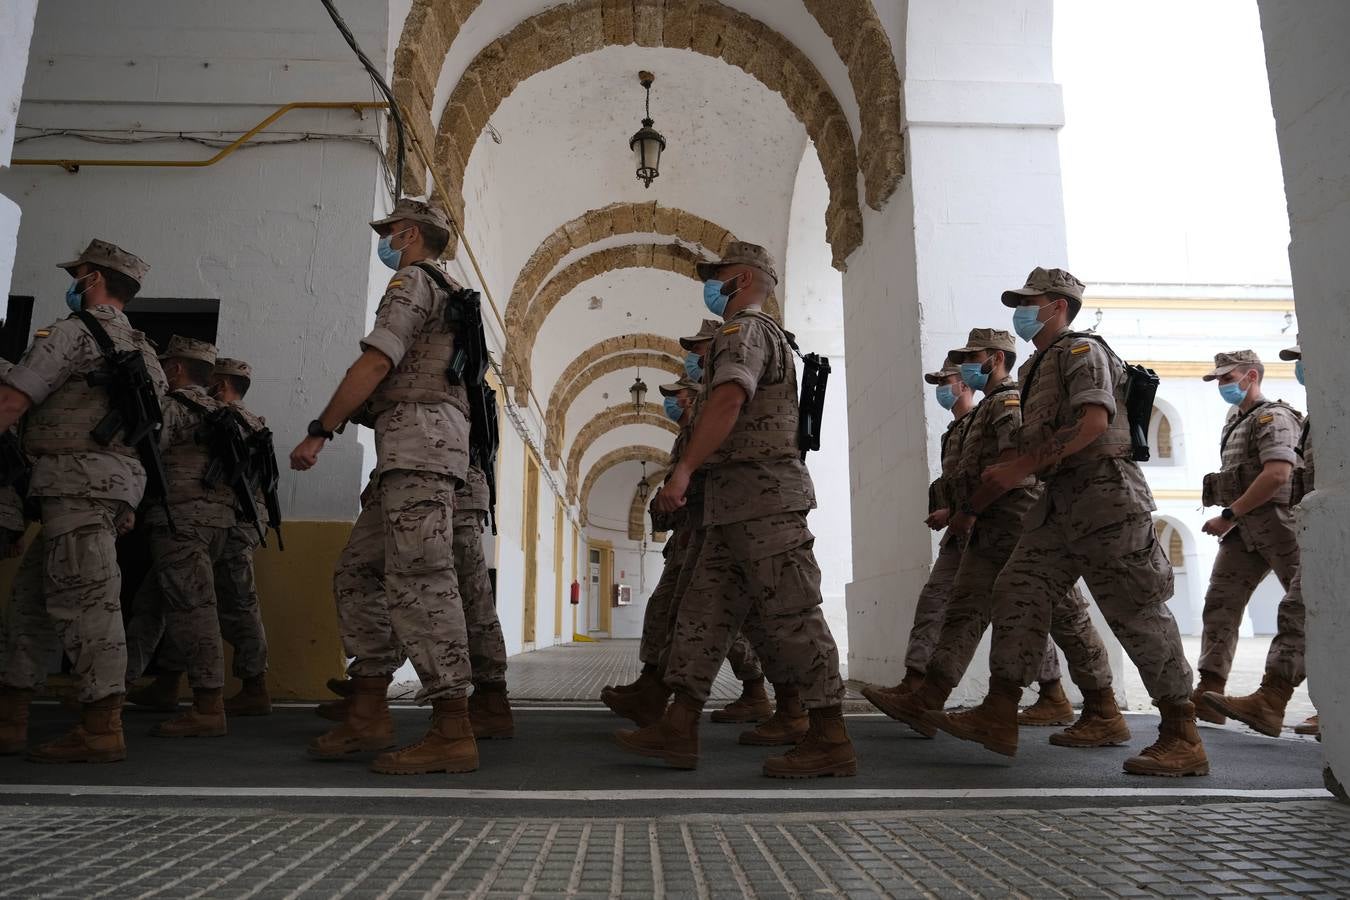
[611,419]
[636,453]
[700,26]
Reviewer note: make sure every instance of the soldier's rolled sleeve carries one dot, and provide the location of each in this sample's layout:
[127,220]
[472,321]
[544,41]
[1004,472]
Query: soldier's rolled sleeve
[407,303]
[1007,421]
[740,354]
[1089,376]
[1276,439]
[46,366]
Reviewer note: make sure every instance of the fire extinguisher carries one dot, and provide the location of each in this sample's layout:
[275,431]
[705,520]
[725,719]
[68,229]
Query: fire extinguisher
[576,593]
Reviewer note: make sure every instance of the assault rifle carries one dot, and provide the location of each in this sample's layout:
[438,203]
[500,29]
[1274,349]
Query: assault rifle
[483,439]
[263,464]
[134,411]
[225,436]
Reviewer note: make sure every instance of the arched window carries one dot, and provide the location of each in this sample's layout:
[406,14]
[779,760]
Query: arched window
[1172,542]
[1162,440]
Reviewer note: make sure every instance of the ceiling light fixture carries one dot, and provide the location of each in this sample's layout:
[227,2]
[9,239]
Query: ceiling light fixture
[648,143]
[638,392]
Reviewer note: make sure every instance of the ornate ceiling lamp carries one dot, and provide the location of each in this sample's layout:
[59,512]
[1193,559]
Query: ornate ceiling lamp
[648,143]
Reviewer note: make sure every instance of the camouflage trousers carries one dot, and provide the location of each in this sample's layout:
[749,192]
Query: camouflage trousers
[396,589]
[680,568]
[972,605]
[1130,578]
[237,609]
[1264,541]
[184,570]
[69,587]
[760,576]
[487,645]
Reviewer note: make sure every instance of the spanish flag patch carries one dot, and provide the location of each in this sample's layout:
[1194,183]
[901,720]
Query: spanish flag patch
[1080,348]
[1013,401]
[1266,419]
[397,282]
[731,329]
[41,332]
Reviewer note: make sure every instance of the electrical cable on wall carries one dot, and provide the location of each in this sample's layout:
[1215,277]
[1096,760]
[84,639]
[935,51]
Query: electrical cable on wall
[377,77]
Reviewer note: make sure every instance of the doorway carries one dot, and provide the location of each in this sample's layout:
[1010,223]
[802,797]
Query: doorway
[530,532]
[558,519]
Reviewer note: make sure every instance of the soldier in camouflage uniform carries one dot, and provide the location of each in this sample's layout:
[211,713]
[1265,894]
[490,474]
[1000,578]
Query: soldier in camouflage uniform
[1093,521]
[756,569]
[989,520]
[395,584]
[186,553]
[489,707]
[1257,536]
[86,492]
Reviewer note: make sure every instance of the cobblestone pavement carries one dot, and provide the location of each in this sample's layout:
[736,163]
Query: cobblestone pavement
[1220,850]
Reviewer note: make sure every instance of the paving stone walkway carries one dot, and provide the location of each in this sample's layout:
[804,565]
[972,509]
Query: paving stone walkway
[1298,848]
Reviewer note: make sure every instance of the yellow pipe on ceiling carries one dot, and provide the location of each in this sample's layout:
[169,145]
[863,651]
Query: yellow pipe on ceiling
[74,165]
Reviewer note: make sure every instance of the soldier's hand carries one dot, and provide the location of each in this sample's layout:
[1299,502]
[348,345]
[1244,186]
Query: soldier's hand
[672,493]
[306,453]
[938,519]
[1005,475]
[126,522]
[962,523]
[1218,526]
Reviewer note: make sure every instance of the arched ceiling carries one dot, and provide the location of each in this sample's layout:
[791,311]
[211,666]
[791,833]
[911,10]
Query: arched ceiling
[535,113]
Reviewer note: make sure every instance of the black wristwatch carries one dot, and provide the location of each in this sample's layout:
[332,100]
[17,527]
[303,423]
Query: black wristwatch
[316,429]
[1228,513]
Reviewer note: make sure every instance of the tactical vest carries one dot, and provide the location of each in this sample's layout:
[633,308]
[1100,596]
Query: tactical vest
[1240,460]
[766,429]
[979,451]
[940,495]
[420,376]
[1045,407]
[61,424]
[185,462]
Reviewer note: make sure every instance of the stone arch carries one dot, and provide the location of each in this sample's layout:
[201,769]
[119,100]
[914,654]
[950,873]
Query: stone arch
[862,43]
[666,257]
[663,353]
[428,31]
[637,510]
[638,452]
[596,225]
[706,27]
[615,417]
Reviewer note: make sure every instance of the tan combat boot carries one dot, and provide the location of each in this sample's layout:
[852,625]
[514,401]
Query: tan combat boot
[645,706]
[367,726]
[14,705]
[912,708]
[788,724]
[205,718]
[1052,707]
[673,737]
[752,706]
[1262,711]
[649,671]
[1100,725]
[490,712]
[333,710]
[1209,684]
[448,746]
[1178,750]
[992,724]
[825,752]
[1311,726]
[160,695]
[912,681]
[252,699]
[97,739]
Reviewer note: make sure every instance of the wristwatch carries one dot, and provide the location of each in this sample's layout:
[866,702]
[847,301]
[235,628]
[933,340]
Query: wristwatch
[1228,513]
[316,429]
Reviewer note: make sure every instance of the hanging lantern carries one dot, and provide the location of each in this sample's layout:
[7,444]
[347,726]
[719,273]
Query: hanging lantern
[644,490]
[638,392]
[648,143]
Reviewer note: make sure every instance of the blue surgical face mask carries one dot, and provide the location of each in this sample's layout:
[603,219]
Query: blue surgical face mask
[673,409]
[714,299]
[693,367]
[973,375]
[385,250]
[75,296]
[1234,393]
[946,395]
[1298,372]
[1027,322]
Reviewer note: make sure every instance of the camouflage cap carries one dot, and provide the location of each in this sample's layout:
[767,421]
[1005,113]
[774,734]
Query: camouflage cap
[180,347]
[984,339]
[1233,359]
[739,253]
[684,384]
[1294,352]
[707,330]
[235,367]
[949,368]
[110,256]
[1045,281]
[413,211]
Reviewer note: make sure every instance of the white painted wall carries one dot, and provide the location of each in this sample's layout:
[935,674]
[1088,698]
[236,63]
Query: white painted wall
[1309,73]
[16,30]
